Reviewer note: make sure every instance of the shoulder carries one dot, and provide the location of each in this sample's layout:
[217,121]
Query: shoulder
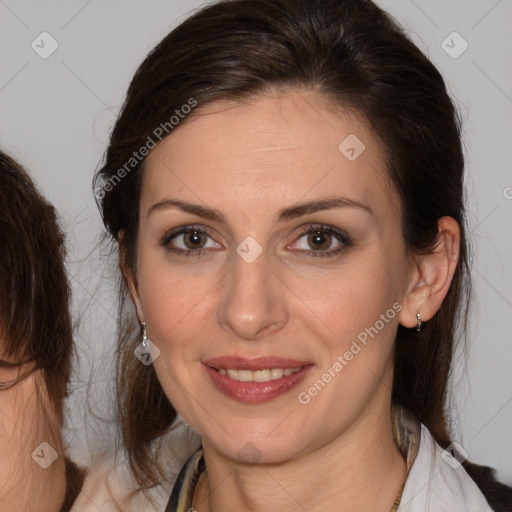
[438,482]
[109,487]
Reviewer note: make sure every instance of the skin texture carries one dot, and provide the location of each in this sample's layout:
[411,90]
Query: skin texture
[24,485]
[249,161]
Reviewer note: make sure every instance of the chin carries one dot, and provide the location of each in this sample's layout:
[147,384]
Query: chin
[256,449]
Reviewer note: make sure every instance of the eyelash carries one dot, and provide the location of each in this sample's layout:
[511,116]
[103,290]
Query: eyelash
[343,238]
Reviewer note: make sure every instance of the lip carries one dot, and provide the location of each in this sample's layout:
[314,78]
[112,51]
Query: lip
[255,392]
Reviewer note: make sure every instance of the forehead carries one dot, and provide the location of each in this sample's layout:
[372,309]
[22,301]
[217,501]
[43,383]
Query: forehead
[267,152]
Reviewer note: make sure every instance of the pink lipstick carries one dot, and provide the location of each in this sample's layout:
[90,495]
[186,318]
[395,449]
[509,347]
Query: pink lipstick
[258,379]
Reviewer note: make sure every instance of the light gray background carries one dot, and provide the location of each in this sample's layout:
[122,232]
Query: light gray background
[56,113]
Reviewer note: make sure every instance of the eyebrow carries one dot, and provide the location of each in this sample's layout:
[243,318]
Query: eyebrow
[194,209]
[328,203]
[288,213]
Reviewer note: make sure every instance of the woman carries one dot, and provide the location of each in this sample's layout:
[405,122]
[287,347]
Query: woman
[36,346]
[285,184]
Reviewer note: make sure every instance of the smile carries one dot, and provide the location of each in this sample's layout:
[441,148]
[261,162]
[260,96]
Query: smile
[255,380]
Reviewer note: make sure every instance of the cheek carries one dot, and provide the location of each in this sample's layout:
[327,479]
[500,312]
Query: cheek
[354,299]
[359,311]
[356,350]
[175,305]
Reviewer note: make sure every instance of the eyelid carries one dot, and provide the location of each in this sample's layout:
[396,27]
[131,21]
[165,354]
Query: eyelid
[7,364]
[21,376]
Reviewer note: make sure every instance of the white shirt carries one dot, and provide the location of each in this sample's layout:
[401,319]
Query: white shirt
[433,485]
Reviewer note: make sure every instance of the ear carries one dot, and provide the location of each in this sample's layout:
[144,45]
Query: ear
[129,277]
[433,275]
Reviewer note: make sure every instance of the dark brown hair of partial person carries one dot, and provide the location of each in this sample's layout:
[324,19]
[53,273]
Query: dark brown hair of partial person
[356,56]
[35,320]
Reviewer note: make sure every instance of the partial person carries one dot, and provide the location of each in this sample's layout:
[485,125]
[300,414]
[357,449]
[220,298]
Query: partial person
[36,349]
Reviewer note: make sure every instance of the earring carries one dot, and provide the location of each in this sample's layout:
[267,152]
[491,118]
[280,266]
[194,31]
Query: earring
[145,339]
[418,327]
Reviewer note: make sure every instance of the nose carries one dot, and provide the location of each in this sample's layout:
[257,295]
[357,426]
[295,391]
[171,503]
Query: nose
[253,301]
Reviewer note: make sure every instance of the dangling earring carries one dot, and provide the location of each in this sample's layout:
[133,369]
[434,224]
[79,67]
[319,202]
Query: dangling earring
[418,327]
[145,343]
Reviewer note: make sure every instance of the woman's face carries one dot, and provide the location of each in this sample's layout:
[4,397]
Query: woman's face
[270,239]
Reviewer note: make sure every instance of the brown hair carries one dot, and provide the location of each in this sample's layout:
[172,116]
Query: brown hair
[35,320]
[354,54]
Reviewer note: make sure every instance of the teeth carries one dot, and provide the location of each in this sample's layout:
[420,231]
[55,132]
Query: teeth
[261,375]
[258,375]
[276,373]
[244,375]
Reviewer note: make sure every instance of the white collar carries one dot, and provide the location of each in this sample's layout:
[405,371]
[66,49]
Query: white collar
[433,485]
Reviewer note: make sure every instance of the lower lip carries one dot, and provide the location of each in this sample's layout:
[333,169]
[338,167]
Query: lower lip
[256,392]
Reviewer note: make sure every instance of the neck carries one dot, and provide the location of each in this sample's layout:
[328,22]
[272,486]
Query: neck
[362,468]
[25,484]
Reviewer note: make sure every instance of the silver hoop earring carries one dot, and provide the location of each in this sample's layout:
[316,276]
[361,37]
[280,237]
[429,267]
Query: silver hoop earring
[145,343]
[420,323]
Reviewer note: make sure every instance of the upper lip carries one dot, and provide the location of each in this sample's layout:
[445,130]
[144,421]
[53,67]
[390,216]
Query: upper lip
[254,364]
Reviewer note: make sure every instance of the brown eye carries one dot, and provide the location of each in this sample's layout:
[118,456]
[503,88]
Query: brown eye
[189,240]
[319,240]
[195,239]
